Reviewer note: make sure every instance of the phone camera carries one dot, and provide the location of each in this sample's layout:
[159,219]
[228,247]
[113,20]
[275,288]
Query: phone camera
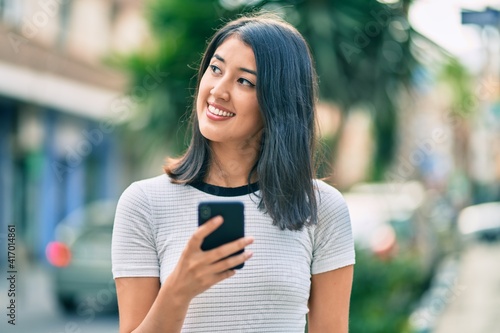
[205,212]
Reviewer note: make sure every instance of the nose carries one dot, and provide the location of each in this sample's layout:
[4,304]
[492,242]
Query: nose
[220,90]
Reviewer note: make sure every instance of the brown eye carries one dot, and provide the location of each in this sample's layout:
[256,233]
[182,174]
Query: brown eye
[215,69]
[245,82]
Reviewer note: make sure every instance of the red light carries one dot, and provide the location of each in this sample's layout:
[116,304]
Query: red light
[384,242]
[58,254]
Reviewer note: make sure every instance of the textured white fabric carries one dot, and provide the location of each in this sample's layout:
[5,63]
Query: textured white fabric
[155,219]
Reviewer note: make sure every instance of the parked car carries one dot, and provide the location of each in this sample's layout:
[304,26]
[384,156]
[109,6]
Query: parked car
[81,257]
[382,214]
[480,221]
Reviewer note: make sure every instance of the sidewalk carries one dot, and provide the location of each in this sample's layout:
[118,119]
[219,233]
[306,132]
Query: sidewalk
[476,305]
[33,298]
[37,310]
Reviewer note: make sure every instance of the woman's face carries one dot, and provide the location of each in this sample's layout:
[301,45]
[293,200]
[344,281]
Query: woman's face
[226,106]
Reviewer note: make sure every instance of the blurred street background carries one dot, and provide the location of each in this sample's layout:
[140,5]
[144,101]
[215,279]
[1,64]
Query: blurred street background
[94,94]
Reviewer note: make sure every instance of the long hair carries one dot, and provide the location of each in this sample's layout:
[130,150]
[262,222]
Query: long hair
[286,93]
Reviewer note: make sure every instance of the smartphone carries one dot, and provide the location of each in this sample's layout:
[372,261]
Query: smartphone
[232,229]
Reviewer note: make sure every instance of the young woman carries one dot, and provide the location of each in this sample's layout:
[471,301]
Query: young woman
[253,141]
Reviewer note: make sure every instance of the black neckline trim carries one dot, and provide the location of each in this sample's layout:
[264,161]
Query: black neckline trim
[225,191]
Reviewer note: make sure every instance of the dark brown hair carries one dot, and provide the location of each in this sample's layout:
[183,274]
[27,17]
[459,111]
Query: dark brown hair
[286,93]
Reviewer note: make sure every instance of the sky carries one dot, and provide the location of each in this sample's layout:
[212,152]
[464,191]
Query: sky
[440,21]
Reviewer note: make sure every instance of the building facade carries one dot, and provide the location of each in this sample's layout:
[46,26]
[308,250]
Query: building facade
[59,147]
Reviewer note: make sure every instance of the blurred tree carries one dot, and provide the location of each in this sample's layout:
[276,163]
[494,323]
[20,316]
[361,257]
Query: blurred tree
[180,30]
[361,47]
[463,104]
[384,293]
[362,51]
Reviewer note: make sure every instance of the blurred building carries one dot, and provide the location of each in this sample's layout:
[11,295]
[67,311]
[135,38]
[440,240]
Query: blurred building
[58,142]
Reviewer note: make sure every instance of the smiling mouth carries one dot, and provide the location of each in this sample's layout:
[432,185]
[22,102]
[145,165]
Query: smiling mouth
[213,110]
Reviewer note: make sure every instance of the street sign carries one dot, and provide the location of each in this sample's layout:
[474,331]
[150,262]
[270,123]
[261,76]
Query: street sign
[488,17]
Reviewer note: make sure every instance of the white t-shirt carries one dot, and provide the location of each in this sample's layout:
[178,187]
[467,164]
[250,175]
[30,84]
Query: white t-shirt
[155,218]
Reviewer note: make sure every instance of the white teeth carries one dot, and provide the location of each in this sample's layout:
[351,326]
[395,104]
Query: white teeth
[218,112]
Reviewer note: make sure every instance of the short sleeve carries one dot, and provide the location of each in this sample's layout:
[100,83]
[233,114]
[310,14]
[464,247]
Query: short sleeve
[333,245]
[133,248]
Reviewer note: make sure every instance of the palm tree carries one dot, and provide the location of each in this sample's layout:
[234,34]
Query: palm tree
[362,50]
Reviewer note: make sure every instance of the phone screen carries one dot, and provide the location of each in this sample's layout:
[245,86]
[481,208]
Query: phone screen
[232,229]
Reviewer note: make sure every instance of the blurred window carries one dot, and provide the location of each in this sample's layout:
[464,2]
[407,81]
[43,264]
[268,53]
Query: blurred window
[11,12]
[92,170]
[64,22]
[115,10]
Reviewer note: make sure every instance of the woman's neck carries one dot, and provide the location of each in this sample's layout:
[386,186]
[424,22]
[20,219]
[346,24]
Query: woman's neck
[230,166]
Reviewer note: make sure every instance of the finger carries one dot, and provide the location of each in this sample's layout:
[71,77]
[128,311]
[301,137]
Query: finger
[204,230]
[225,250]
[224,265]
[224,275]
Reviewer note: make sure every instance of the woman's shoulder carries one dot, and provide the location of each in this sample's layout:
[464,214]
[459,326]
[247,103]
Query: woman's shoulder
[159,180]
[152,187]
[323,188]
[328,198]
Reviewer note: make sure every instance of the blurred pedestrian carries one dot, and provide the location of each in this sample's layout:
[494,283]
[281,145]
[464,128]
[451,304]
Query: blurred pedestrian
[253,140]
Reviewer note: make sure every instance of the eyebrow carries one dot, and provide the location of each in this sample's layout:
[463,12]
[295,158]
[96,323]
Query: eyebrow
[218,57]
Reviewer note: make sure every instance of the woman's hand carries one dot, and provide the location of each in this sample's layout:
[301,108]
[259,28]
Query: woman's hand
[145,307]
[198,270]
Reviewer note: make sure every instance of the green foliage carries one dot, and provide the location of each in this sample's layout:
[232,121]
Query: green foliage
[456,76]
[180,32]
[384,292]
[324,156]
[362,52]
